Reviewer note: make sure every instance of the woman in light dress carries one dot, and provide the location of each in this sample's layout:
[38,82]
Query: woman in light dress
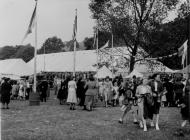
[72,97]
[145,109]
[21,90]
[108,88]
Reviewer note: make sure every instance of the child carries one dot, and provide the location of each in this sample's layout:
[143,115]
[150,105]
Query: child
[115,93]
[127,104]
[163,98]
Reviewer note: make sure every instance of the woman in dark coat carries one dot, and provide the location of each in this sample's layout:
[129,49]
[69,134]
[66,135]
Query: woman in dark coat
[81,91]
[178,88]
[65,88]
[61,92]
[5,93]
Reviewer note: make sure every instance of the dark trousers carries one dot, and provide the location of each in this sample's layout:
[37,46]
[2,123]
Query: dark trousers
[82,100]
[43,97]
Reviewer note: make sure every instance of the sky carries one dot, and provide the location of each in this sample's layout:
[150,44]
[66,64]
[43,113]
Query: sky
[55,18]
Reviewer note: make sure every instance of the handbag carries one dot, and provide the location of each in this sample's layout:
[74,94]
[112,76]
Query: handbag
[149,99]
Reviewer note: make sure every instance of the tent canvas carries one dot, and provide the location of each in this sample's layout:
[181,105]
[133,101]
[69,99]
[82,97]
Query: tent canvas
[11,76]
[134,72]
[15,67]
[144,68]
[63,62]
[103,72]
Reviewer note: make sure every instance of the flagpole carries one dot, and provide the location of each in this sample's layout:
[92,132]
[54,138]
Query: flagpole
[74,60]
[44,59]
[97,52]
[35,51]
[112,54]
[188,53]
[188,44]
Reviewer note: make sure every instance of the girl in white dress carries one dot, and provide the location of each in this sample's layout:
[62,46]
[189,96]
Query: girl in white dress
[72,97]
[21,91]
[101,90]
[116,93]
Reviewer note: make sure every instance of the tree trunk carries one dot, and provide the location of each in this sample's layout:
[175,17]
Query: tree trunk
[132,64]
[134,52]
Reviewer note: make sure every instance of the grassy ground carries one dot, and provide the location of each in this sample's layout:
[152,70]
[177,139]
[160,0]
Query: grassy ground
[51,121]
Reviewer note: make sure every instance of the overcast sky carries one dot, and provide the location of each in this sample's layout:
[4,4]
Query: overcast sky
[55,18]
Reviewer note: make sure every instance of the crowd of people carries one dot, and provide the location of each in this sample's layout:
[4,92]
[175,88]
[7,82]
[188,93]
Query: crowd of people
[143,97]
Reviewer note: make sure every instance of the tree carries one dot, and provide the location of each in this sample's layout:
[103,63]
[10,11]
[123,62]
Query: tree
[70,45]
[88,43]
[7,52]
[52,45]
[25,52]
[131,21]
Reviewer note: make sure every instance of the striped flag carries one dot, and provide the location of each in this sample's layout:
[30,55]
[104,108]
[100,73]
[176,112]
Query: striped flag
[182,51]
[75,28]
[32,23]
[105,46]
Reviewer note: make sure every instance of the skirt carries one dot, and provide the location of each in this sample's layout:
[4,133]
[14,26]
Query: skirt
[89,101]
[156,106]
[185,113]
[107,95]
[5,99]
[72,97]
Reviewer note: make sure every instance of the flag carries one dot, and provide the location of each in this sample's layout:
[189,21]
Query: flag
[32,23]
[95,37]
[75,28]
[182,51]
[105,46]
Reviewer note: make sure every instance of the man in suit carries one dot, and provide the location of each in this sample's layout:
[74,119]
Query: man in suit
[157,89]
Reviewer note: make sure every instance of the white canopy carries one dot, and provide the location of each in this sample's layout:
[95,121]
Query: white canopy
[11,76]
[16,67]
[134,72]
[145,68]
[63,62]
[184,70]
[103,72]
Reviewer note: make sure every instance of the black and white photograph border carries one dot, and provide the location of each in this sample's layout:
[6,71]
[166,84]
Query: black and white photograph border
[95,69]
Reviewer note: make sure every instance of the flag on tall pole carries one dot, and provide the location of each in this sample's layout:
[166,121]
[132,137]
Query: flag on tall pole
[31,24]
[75,42]
[183,52]
[34,97]
[105,46]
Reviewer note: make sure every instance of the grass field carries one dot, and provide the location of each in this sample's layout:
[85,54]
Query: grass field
[51,121]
